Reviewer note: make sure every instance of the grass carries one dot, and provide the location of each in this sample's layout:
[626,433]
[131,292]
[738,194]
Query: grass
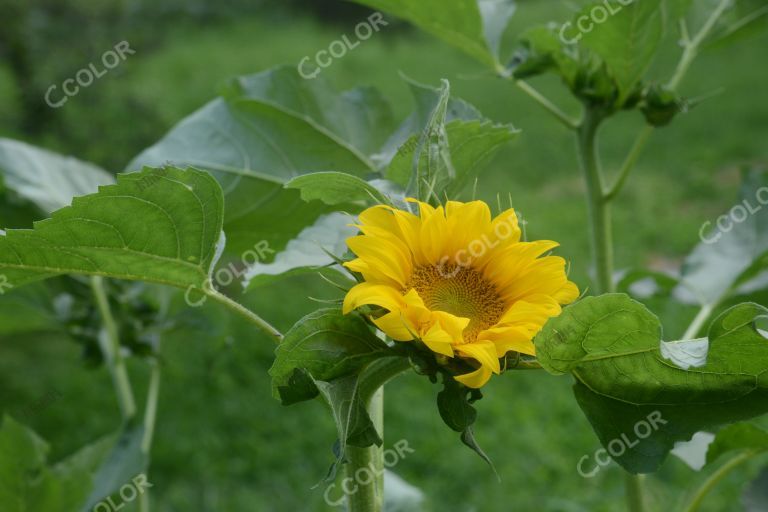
[223,443]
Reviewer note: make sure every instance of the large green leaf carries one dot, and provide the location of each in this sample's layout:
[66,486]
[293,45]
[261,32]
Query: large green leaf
[327,353]
[474,26]
[47,179]
[267,129]
[627,376]
[726,259]
[627,40]
[160,225]
[326,344]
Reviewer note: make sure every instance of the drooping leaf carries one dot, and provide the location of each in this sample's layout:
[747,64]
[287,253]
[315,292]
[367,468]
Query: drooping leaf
[267,129]
[630,383]
[734,251]
[315,247]
[454,402]
[474,26]
[327,345]
[627,40]
[125,461]
[350,413]
[336,188]
[47,179]
[107,233]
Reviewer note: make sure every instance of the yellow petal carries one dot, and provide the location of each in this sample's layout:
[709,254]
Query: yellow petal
[482,351]
[507,339]
[476,379]
[438,340]
[382,257]
[372,294]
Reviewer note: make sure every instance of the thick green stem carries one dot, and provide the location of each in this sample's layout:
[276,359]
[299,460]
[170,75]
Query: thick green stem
[599,207]
[634,492]
[698,497]
[365,466]
[109,342]
[602,245]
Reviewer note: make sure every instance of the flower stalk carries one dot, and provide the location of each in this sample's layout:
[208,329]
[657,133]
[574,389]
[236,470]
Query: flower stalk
[367,495]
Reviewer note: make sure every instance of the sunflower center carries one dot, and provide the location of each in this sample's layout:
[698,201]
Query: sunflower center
[460,291]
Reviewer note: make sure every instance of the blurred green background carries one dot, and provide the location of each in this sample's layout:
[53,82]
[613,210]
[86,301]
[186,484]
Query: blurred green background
[223,443]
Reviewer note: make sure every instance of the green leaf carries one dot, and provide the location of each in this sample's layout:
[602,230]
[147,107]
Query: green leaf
[335,188]
[541,50]
[740,437]
[627,376]
[47,179]
[454,403]
[107,233]
[450,146]
[27,310]
[627,41]
[724,260]
[350,412]
[124,462]
[267,129]
[474,26]
[317,246]
[28,483]
[327,345]
[470,144]
[353,423]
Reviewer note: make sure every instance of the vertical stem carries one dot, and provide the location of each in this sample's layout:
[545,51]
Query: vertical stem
[109,342]
[602,247]
[634,492]
[599,207]
[365,466]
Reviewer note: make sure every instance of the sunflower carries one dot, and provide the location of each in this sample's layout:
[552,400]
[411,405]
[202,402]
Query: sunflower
[457,280]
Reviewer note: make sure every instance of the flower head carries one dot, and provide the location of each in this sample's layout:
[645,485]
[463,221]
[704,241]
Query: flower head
[457,280]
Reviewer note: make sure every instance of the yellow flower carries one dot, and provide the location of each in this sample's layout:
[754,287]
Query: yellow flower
[460,282]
